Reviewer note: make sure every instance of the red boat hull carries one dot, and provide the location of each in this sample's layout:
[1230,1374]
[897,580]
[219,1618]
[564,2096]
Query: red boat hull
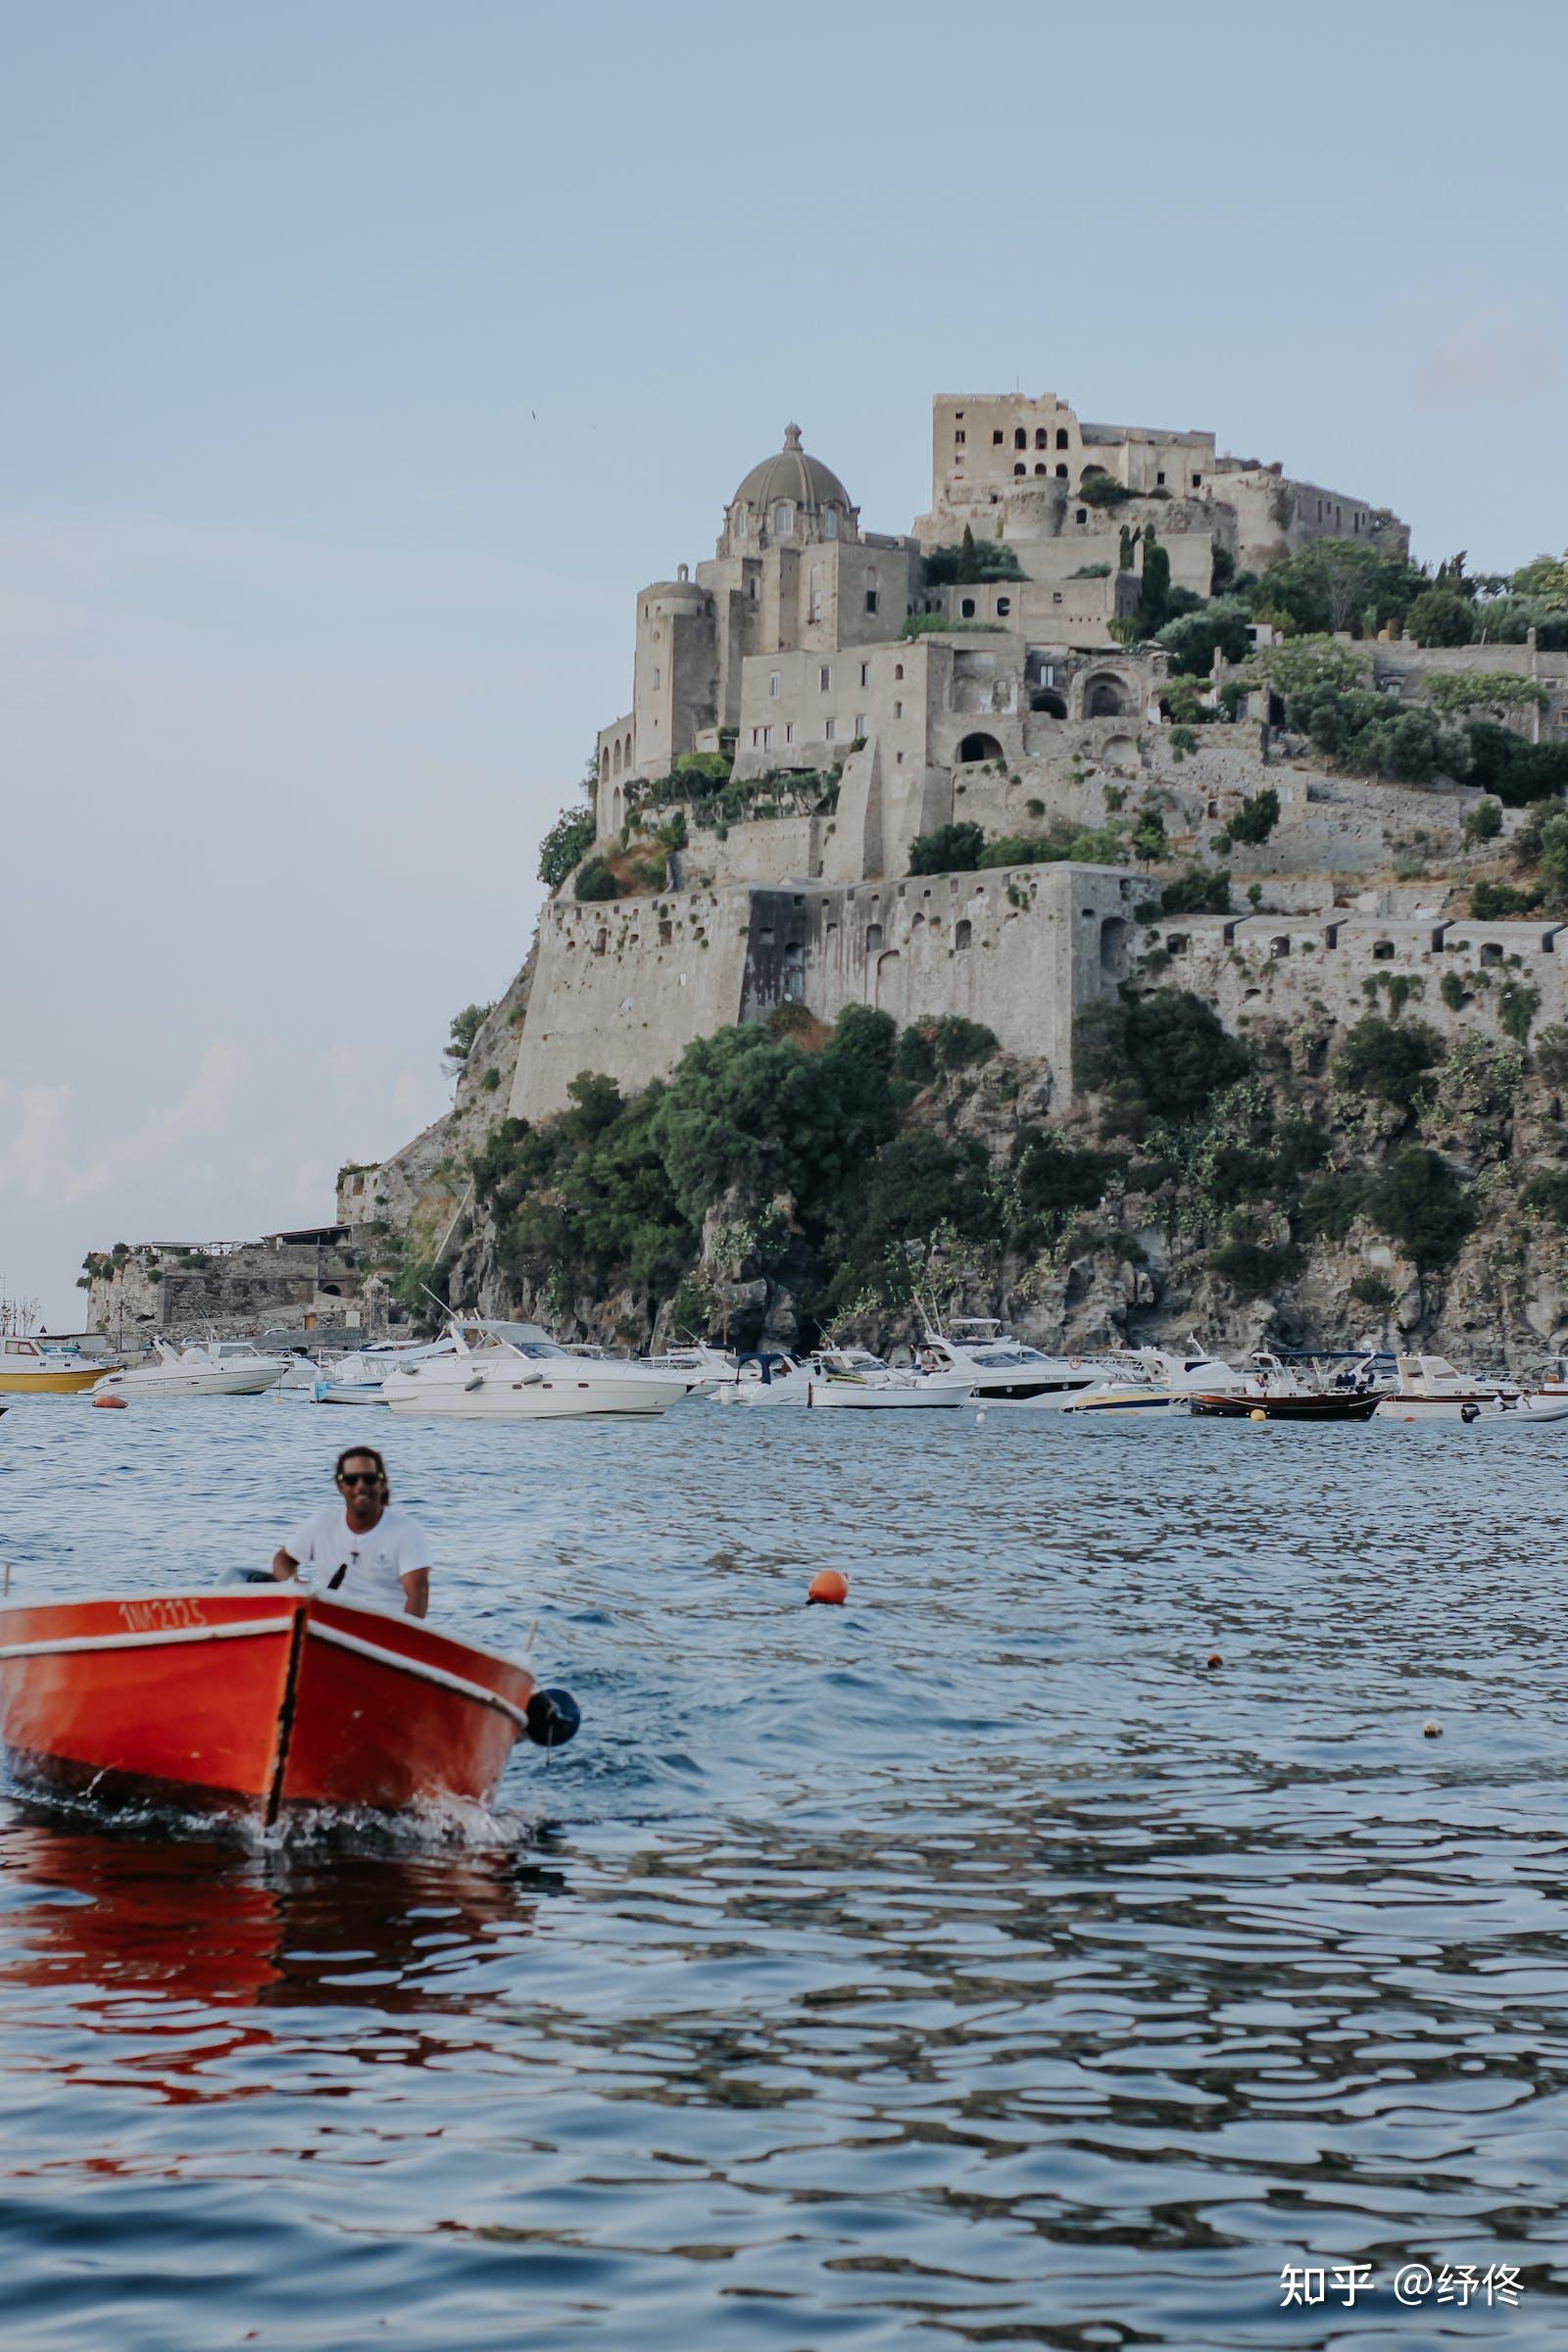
[253,1700]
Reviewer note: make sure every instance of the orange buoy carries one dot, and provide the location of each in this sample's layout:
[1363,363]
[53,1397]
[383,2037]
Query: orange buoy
[109,1404]
[829,1585]
[1214,1658]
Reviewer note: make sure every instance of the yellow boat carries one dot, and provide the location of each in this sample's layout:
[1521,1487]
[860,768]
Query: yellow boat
[29,1366]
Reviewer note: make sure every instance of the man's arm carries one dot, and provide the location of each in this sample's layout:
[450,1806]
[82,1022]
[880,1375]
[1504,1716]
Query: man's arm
[284,1565]
[417,1585]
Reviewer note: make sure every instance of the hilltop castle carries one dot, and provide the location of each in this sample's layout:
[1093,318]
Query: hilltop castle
[864,696]
[820,696]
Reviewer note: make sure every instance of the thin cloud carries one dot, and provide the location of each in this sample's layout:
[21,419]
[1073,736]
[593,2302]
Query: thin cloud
[38,1161]
[1494,360]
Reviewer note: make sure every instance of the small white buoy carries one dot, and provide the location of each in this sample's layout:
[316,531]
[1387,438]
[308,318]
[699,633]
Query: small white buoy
[979,1416]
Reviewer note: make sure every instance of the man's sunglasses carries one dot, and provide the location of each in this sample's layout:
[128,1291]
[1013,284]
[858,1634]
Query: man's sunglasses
[358,1478]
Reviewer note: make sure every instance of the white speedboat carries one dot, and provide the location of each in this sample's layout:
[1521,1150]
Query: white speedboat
[854,1380]
[517,1372]
[213,1368]
[1126,1401]
[979,1355]
[361,1378]
[1429,1389]
[1189,1370]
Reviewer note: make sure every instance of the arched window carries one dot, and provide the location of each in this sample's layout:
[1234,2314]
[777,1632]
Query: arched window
[967,608]
[603,763]
[784,518]
[1062,437]
[1004,607]
[898,671]
[1042,437]
[1020,469]
[1020,439]
[873,938]
[742,521]
[978,746]
[962,932]
[1061,473]
[830,522]
[1042,469]
[617,755]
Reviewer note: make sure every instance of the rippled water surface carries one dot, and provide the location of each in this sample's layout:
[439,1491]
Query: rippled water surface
[974,1964]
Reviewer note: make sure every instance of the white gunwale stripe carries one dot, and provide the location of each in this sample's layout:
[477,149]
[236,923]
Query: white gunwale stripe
[416,1667]
[248,1627]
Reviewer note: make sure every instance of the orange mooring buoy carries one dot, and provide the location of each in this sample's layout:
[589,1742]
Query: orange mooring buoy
[829,1585]
[109,1404]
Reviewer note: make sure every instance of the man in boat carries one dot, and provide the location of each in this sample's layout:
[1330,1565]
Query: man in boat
[360,1548]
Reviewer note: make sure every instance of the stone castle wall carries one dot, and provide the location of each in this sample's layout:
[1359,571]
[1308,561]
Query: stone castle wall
[1310,969]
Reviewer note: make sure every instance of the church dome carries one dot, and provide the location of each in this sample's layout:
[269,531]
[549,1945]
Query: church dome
[791,475]
[790,497]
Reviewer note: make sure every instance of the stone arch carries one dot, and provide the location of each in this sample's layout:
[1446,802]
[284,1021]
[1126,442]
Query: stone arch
[603,765]
[873,938]
[887,977]
[617,755]
[1089,470]
[979,746]
[962,932]
[1105,695]
[1113,930]
[1049,703]
[1120,752]
[617,809]
[1042,469]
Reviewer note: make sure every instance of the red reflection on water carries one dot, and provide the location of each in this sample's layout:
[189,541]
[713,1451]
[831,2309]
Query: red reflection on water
[168,1954]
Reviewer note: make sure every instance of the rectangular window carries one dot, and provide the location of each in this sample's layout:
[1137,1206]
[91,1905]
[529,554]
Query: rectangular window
[959,439]
[996,440]
[828,730]
[772,686]
[860,722]
[901,759]
[898,709]
[789,730]
[1198,481]
[655,681]
[1160,481]
[866,673]
[756,737]
[768,739]
[824,679]
[870,599]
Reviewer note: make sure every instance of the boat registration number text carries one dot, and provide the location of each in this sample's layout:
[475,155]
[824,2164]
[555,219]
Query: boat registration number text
[160,1616]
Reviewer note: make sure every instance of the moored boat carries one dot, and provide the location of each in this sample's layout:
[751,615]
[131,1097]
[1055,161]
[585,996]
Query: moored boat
[31,1366]
[1428,1388]
[1326,1405]
[259,1700]
[517,1372]
[208,1368]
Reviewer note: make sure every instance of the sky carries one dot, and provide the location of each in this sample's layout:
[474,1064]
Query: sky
[361,360]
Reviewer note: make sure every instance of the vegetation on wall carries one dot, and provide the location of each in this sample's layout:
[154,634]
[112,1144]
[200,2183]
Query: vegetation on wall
[965,849]
[974,560]
[564,846]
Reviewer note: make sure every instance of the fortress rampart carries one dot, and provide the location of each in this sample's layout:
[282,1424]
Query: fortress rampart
[623,989]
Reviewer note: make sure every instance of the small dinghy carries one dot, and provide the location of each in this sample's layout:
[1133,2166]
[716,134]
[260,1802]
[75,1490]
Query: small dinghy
[259,1701]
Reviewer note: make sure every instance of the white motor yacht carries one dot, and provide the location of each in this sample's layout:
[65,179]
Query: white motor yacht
[979,1355]
[499,1371]
[210,1368]
[1189,1370]
[1429,1389]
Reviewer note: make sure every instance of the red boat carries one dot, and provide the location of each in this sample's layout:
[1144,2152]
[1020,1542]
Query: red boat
[259,1700]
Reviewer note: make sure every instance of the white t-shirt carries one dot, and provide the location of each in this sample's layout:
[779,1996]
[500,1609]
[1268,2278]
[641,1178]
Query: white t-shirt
[375,1562]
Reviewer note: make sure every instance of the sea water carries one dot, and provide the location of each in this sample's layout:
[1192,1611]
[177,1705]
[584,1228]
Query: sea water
[975,1964]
